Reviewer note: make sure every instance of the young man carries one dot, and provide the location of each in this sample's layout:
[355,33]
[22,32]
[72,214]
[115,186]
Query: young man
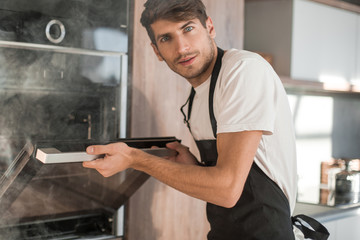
[238,114]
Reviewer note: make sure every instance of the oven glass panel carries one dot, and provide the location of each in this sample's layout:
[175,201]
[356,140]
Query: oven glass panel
[57,96]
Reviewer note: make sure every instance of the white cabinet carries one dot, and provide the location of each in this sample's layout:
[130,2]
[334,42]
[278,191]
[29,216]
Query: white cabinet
[331,227]
[308,40]
[324,42]
[344,229]
[348,228]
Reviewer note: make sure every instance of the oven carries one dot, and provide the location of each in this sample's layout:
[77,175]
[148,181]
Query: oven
[63,85]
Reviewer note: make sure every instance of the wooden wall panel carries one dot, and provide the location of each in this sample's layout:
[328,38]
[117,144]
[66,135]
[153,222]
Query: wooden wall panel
[156,211]
[228,19]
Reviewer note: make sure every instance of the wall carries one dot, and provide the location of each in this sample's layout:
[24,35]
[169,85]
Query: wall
[157,211]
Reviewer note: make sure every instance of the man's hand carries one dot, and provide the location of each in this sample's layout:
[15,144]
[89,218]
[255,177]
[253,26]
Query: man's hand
[184,155]
[117,157]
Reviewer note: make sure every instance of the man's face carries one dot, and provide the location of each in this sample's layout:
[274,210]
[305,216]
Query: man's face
[187,47]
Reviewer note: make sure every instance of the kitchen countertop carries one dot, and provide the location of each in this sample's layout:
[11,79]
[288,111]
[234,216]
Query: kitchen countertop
[324,213]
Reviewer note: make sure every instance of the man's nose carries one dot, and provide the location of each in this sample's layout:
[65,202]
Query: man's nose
[182,45]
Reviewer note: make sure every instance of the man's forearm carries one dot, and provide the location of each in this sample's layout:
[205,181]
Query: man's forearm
[210,184]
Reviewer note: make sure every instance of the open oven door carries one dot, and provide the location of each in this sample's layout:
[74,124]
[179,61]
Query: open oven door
[65,200]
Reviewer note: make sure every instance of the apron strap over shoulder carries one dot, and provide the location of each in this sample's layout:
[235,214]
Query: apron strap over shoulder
[214,76]
[317,230]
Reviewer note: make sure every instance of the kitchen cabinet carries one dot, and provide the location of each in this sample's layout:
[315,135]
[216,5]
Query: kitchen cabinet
[345,228]
[308,40]
[324,42]
[331,227]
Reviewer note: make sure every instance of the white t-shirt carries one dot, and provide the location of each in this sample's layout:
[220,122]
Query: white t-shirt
[250,96]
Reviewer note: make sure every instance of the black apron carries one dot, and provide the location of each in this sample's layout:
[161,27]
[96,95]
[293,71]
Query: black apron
[262,212]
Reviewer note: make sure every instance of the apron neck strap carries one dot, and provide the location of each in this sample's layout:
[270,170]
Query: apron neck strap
[214,77]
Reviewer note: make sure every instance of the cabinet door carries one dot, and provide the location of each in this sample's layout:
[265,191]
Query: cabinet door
[348,228]
[324,42]
[331,227]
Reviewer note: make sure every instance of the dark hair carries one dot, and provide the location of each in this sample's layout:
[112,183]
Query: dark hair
[172,10]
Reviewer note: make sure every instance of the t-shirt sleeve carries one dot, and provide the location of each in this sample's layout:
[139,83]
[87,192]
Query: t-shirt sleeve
[247,97]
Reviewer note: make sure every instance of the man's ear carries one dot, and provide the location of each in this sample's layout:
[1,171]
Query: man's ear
[210,27]
[156,51]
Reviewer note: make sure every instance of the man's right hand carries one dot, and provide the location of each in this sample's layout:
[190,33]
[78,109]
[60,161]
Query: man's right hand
[117,157]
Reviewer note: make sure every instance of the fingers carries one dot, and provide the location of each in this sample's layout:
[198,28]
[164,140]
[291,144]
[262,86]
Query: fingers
[173,145]
[108,149]
[184,155]
[117,157]
[94,163]
[101,165]
[97,149]
[177,147]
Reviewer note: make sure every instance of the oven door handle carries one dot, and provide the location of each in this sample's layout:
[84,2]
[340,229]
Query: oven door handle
[53,155]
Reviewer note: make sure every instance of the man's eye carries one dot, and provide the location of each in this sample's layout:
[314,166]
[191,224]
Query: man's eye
[164,39]
[188,29]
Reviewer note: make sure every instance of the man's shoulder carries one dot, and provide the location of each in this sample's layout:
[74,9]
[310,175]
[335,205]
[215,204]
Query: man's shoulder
[241,66]
[234,59]
[233,54]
